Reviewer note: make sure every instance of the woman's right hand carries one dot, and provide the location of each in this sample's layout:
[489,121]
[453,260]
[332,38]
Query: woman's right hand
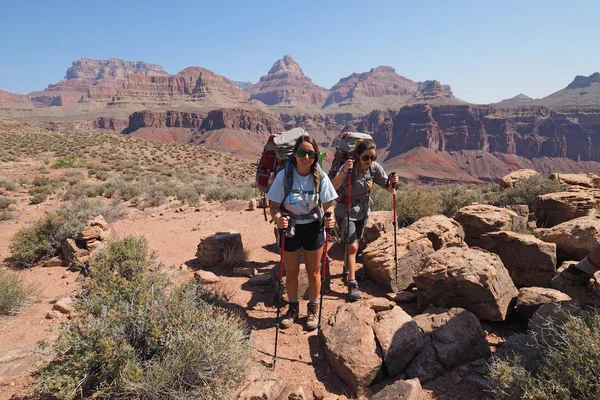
[282,222]
[348,165]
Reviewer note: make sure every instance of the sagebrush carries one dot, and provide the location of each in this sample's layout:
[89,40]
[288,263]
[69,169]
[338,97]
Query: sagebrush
[13,293]
[139,338]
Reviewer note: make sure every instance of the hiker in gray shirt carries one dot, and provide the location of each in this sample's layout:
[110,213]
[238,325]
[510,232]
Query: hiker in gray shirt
[365,172]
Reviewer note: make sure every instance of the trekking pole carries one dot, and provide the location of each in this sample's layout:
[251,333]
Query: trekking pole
[395,222]
[323,271]
[282,243]
[264,204]
[346,264]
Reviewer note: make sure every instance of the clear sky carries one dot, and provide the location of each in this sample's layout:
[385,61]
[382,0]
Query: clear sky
[486,50]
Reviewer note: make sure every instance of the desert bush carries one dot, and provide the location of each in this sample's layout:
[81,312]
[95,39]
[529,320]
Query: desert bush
[525,192]
[45,236]
[456,196]
[187,195]
[41,181]
[415,201]
[13,293]
[38,197]
[6,215]
[222,190]
[382,199]
[8,185]
[565,366]
[139,338]
[69,161]
[234,256]
[5,202]
[82,190]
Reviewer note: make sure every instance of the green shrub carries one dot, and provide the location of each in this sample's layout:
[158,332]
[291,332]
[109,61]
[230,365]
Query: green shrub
[42,181]
[415,201]
[525,192]
[69,161]
[8,185]
[456,196]
[38,198]
[382,199]
[13,293]
[5,202]
[6,215]
[44,237]
[565,366]
[221,190]
[140,339]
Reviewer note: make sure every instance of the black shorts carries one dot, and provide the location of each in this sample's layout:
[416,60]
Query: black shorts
[309,236]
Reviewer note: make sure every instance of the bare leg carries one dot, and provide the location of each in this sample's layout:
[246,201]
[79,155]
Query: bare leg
[291,259]
[312,259]
[353,249]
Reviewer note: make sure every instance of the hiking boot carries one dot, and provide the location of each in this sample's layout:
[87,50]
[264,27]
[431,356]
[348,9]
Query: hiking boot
[290,316]
[353,293]
[578,284]
[312,319]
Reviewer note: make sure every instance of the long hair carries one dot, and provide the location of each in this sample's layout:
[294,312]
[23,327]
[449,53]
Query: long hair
[359,148]
[314,166]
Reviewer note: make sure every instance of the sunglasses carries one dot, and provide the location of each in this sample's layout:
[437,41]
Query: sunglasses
[303,153]
[367,158]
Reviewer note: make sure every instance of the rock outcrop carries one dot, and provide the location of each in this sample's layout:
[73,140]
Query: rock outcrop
[286,84]
[469,278]
[92,80]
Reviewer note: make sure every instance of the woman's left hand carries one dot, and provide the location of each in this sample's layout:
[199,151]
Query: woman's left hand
[329,222]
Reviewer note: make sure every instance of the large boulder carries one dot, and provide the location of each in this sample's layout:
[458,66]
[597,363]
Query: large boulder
[532,298]
[574,239]
[440,230]
[349,342]
[400,338]
[554,208]
[378,224]
[469,278]
[509,180]
[480,218]
[452,337]
[378,258]
[581,180]
[529,260]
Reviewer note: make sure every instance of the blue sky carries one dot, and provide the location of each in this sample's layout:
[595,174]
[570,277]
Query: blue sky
[486,52]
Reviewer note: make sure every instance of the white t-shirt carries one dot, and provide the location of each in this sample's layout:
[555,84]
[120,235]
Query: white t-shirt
[298,201]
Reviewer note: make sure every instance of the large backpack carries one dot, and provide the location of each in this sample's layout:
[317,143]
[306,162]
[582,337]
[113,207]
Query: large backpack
[276,153]
[345,149]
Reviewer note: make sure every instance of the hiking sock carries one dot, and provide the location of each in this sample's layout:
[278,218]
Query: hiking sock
[352,282]
[313,301]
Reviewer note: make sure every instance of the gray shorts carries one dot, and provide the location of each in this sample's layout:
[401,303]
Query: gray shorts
[357,228]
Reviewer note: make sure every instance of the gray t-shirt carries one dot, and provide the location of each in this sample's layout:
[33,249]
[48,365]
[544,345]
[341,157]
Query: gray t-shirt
[360,201]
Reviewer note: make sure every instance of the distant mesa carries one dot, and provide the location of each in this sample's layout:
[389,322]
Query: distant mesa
[286,84]
[518,100]
[433,92]
[583,91]
[242,85]
[379,82]
[92,80]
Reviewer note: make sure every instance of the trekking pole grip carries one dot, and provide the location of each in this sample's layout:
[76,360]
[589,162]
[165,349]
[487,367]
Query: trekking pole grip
[327,215]
[388,180]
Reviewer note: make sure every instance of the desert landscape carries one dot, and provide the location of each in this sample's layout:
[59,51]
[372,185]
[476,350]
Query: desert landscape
[138,259]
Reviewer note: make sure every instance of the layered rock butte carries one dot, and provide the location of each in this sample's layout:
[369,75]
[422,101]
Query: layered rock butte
[420,127]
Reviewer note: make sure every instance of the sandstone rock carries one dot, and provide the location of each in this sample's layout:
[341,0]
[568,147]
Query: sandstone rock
[529,261]
[100,222]
[92,232]
[252,205]
[52,314]
[293,392]
[64,305]
[268,389]
[479,219]
[378,258]
[263,279]
[12,207]
[554,208]
[71,252]
[53,262]
[509,181]
[212,246]
[405,296]
[456,335]
[378,224]
[426,364]
[532,298]
[399,337]
[440,230]
[582,180]
[574,239]
[14,361]
[106,234]
[522,210]
[349,342]
[206,277]
[401,390]
[473,279]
